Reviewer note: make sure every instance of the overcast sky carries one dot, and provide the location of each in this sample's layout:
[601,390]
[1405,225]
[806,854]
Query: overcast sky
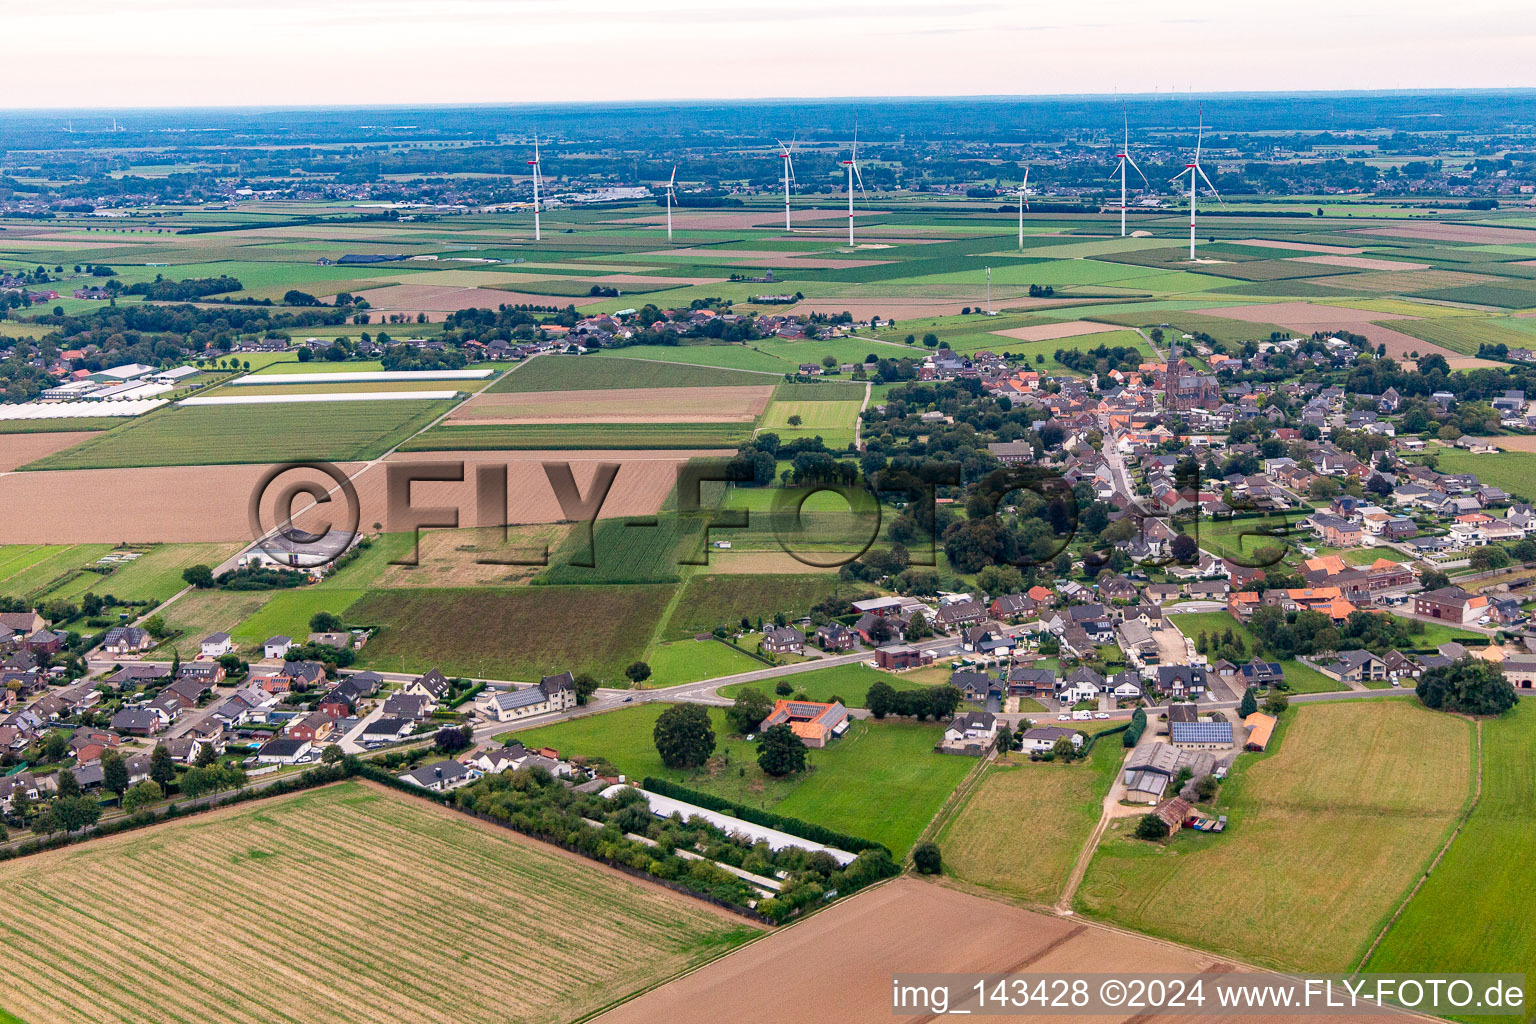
[119,53]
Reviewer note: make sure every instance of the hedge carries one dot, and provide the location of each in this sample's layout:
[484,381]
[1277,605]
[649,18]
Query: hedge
[1135,729]
[794,826]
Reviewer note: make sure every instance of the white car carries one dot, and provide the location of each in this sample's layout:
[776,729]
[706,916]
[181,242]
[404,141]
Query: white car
[1063,718]
[1101,715]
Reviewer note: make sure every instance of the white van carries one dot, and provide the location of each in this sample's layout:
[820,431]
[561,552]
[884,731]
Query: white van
[1082,716]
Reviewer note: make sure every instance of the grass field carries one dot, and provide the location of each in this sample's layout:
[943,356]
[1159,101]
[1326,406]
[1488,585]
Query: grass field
[832,421]
[54,426]
[848,683]
[1020,831]
[30,570]
[173,917]
[202,612]
[1327,832]
[1513,471]
[687,661]
[214,435]
[288,612]
[521,633]
[451,437]
[623,550]
[892,759]
[710,601]
[1300,678]
[1474,912]
[591,373]
[1464,334]
[156,575]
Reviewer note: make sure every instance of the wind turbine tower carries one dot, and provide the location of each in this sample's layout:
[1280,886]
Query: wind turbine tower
[671,186]
[1023,205]
[853,173]
[537,179]
[1124,156]
[787,156]
[1196,175]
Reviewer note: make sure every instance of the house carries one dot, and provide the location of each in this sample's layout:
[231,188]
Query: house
[313,727]
[131,677]
[973,734]
[956,614]
[1520,671]
[300,675]
[386,730]
[1506,611]
[814,723]
[433,685]
[976,686]
[1260,674]
[900,656]
[337,704]
[1042,739]
[1031,682]
[216,645]
[783,640]
[1200,735]
[442,776]
[510,705]
[140,721]
[412,706]
[1014,607]
[1451,604]
[123,640]
[1260,728]
[283,750]
[1401,666]
[276,647]
[1181,680]
[1355,667]
[559,691]
[834,636]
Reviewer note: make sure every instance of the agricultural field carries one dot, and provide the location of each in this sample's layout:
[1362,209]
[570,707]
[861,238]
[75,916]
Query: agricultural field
[31,570]
[505,437]
[153,576]
[891,758]
[710,601]
[736,404]
[1479,885]
[1326,833]
[832,421]
[1465,334]
[214,435]
[198,613]
[418,872]
[1513,471]
[591,373]
[287,613]
[687,661]
[1020,830]
[466,631]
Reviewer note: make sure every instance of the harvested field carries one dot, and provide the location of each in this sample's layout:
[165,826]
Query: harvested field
[618,405]
[451,558]
[20,449]
[1050,332]
[761,563]
[437,301]
[492,436]
[1310,317]
[1357,262]
[1270,243]
[1437,232]
[845,956]
[1516,442]
[592,373]
[173,919]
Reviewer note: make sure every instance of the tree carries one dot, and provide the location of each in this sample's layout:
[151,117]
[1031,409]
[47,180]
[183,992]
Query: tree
[749,710]
[943,700]
[1004,739]
[141,794]
[206,755]
[114,772]
[72,813]
[1064,749]
[881,699]
[1434,579]
[918,628]
[586,686]
[452,739]
[1250,703]
[795,420]
[780,752]
[927,858]
[199,576]
[1275,703]
[638,672]
[683,736]
[1205,789]
[325,622]
[332,754]
[67,784]
[1151,827]
[161,768]
[1469,687]
[56,745]
[783,689]
[1184,548]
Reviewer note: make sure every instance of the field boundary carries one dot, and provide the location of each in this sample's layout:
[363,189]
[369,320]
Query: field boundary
[1461,823]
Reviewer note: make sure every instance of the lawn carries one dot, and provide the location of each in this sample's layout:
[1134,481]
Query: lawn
[881,781]
[593,373]
[451,437]
[687,661]
[518,633]
[213,435]
[1298,677]
[288,614]
[553,938]
[1020,831]
[1474,912]
[848,683]
[1326,833]
[832,421]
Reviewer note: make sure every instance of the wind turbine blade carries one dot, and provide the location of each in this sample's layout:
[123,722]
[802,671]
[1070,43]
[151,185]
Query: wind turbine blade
[1181,174]
[673,180]
[1210,186]
[1199,136]
[1138,170]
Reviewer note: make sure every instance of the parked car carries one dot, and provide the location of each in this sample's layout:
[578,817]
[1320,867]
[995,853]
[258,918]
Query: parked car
[1101,715]
[1063,718]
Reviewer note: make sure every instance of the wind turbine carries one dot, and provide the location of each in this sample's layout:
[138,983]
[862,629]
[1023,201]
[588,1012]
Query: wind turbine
[1023,205]
[671,185]
[1194,169]
[786,155]
[853,173]
[537,178]
[1124,156]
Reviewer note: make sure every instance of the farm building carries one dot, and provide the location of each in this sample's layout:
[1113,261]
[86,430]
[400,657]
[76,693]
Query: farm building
[1260,728]
[1209,735]
[813,722]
